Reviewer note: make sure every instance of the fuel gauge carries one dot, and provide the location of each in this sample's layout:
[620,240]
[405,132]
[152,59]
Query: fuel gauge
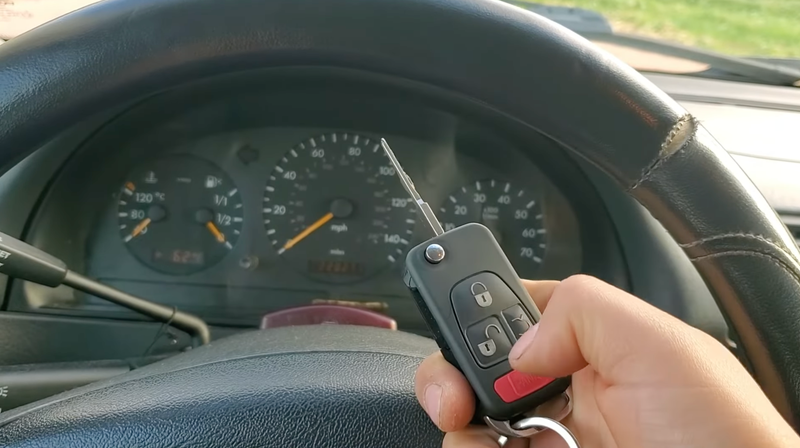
[179,214]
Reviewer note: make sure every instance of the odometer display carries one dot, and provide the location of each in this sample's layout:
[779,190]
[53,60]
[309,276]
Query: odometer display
[513,214]
[336,267]
[334,210]
[180,257]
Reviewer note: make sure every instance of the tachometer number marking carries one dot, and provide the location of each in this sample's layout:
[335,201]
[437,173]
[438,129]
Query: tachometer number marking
[514,217]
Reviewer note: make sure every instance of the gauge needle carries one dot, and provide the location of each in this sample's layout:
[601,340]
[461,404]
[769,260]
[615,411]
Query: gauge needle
[138,229]
[215,231]
[320,222]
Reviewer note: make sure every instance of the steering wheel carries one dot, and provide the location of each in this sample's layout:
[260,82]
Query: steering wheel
[334,387]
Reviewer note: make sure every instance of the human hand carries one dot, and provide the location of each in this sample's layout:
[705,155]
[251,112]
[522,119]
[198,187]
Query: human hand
[641,378]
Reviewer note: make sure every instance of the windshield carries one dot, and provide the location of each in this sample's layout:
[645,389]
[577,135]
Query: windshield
[18,16]
[763,29]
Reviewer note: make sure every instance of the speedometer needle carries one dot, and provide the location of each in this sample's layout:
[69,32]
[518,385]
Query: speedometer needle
[215,231]
[319,223]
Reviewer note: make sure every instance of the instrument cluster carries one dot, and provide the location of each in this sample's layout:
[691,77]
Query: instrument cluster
[237,207]
[332,210]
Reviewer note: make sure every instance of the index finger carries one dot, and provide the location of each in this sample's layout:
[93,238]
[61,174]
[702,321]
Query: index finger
[540,291]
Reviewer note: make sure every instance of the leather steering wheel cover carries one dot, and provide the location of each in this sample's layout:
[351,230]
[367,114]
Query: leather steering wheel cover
[513,61]
[285,387]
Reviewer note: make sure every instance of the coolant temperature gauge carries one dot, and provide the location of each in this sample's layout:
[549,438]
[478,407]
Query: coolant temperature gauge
[179,214]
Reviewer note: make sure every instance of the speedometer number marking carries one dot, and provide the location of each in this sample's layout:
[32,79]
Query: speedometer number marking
[336,213]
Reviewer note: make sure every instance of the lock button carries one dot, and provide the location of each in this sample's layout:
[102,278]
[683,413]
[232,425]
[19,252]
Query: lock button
[481,294]
[488,342]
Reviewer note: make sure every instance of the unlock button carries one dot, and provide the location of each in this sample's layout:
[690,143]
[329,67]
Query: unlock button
[488,342]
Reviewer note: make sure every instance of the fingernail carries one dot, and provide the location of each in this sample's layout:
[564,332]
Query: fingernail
[433,397]
[522,344]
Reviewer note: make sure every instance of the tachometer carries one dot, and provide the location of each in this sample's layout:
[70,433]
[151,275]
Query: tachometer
[333,209]
[514,216]
[179,214]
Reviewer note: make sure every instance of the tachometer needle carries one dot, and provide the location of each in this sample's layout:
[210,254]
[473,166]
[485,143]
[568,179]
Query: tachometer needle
[215,231]
[319,223]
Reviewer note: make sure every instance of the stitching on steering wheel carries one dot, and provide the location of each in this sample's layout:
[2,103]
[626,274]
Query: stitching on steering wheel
[751,253]
[728,235]
[754,236]
[731,235]
[750,236]
[667,150]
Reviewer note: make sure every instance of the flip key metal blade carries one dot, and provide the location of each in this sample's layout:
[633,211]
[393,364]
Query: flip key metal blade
[408,184]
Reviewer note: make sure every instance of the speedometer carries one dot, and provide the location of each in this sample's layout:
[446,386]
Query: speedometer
[333,210]
[513,214]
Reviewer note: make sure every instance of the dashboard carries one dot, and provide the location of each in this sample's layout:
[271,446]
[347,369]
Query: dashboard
[209,159]
[238,197]
[235,202]
[220,152]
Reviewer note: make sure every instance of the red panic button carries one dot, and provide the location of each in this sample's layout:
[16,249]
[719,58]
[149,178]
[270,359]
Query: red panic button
[515,385]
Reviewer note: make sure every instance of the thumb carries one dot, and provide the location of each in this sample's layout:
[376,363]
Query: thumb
[589,322]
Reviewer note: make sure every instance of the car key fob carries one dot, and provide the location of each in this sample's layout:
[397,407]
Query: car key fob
[476,308]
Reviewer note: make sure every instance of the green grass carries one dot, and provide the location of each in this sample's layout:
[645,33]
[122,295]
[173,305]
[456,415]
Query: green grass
[738,27]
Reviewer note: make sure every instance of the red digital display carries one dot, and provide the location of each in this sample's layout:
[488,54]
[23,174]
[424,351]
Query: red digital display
[335,267]
[179,256]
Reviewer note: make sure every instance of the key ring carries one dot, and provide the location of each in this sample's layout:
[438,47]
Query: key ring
[546,416]
[542,423]
[556,409]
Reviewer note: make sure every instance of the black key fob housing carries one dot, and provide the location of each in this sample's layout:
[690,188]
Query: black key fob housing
[476,307]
